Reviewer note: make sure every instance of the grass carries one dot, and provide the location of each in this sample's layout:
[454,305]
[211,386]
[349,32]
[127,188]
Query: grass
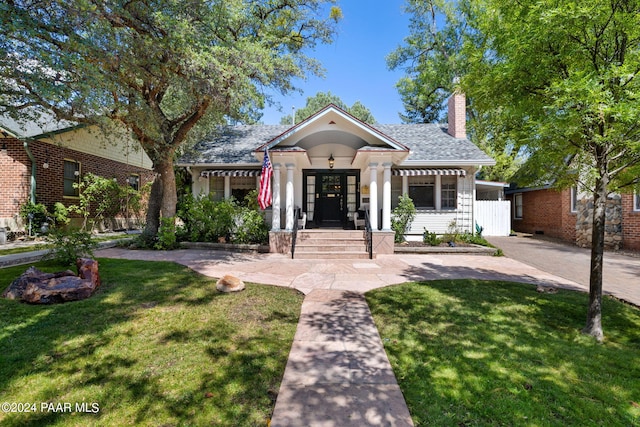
[156,345]
[45,245]
[474,353]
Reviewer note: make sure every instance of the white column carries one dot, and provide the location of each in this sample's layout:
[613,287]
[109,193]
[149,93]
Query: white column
[373,196]
[386,197]
[437,192]
[405,185]
[289,197]
[227,187]
[275,200]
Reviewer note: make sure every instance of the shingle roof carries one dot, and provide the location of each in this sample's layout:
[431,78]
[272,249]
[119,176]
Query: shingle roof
[38,124]
[431,142]
[427,142]
[232,145]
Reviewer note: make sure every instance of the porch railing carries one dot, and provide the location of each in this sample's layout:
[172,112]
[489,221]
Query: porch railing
[294,233]
[368,234]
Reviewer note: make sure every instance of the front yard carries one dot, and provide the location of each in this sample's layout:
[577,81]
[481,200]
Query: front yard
[156,345]
[474,353]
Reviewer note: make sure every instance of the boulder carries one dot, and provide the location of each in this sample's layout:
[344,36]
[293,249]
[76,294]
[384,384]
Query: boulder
[37,287]
[229,283]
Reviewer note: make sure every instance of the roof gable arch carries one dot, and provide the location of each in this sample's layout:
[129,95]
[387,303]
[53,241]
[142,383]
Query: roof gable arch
[335,123]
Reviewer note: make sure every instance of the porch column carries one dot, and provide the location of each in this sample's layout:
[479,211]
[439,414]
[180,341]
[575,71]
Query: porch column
[275,198]
[437,193]
[373,196]
[386,197]
[289,197]
[405,185]
[227,187]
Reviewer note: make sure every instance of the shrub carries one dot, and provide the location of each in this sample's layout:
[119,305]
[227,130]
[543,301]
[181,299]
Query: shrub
[250,227]
[167,239]
[68,245]
[430,238]
[35,217]
[402,217]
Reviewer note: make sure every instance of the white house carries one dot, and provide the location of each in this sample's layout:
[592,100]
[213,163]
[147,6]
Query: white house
[332,165]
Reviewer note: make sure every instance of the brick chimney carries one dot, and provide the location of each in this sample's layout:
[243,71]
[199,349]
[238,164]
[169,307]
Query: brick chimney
[457,115]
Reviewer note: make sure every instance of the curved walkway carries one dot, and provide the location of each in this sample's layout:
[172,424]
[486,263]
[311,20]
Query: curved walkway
[338,374]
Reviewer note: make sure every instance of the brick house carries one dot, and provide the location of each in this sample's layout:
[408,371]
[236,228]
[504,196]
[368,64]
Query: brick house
[42,159]
[566,215]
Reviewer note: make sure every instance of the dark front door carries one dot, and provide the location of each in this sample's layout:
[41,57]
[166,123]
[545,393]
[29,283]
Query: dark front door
[331,192]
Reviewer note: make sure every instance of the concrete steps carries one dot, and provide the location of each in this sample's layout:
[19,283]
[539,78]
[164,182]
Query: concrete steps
[331,244]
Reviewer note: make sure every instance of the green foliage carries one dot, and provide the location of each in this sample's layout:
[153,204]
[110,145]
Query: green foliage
[430,238]
[101,198]
[402,217]
[167,239]
[60,214]
[321,100]
[206,220]
[68,245]
[167,72]
[34,215]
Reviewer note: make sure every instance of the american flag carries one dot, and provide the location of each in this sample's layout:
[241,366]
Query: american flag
[264,196]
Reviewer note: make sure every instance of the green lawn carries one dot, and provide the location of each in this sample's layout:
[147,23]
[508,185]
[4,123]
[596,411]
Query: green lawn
[157,345]
[474,353]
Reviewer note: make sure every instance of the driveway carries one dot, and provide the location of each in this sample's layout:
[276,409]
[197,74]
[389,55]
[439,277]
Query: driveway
[621,277]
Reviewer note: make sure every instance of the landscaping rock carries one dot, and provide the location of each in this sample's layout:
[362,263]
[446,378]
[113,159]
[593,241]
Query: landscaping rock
[229,283]
[37,287]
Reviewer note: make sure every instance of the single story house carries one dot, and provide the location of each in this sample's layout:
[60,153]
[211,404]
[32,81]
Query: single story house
[333,167]
[567,215]
[42,158]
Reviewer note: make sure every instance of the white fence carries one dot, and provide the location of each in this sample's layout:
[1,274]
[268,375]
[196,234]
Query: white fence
[494,216]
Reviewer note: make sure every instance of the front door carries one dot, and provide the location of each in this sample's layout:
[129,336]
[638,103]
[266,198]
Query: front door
[331,198]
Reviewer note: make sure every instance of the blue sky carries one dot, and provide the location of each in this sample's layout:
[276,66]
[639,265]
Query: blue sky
[355,64]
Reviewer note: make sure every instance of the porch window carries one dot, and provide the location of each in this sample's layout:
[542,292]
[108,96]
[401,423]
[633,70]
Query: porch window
[517,201]
[241,186]
[421,191]
[71,177]
[216,188]
[449,192]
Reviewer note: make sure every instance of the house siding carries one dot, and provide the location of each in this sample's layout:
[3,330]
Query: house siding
[630,224]
[546,211]
[14,179]
[15,175]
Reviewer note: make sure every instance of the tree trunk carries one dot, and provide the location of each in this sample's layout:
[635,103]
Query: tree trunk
[169,192]
[153,210]
[594,313]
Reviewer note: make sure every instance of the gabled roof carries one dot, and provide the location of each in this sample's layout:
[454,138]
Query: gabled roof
[427,144]
[40,124]
[332,112]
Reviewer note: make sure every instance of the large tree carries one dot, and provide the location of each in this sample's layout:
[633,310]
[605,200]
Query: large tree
[562,78]
[158,67]
[321,100]
[433,59]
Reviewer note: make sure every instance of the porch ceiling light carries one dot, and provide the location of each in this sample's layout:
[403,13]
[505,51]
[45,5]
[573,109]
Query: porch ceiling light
[332,161]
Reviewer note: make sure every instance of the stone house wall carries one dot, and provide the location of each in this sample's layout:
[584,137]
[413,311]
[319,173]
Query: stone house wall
[613,238]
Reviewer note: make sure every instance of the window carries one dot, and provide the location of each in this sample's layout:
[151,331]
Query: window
[241,186]
[449,192]
[517,200]
[574,199]
[134,181]
[636,200]
[216,188]
[71,177]
[421,191]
